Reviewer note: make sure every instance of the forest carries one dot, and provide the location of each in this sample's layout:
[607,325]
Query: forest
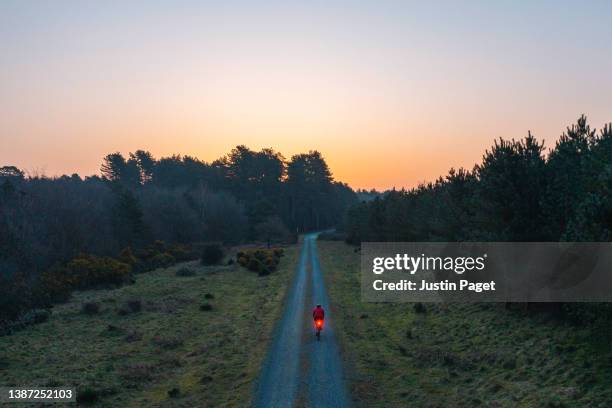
[518,193]
[64,233]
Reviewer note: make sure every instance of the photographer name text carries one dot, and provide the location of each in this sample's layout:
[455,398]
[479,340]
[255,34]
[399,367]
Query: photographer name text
[423,285]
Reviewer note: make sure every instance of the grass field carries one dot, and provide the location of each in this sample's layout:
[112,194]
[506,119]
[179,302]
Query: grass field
[155,343]
[461,355]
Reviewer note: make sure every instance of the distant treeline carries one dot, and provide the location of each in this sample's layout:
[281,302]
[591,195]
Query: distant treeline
[517,193]
[143,204]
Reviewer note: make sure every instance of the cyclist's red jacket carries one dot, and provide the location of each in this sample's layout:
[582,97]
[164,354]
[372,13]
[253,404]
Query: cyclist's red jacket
[318,313]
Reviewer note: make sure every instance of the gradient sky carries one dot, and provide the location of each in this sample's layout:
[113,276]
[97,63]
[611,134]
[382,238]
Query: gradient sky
[392,93]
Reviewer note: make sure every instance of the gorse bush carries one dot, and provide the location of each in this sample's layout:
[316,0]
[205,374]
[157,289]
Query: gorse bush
[161,255]
[85,271]
[182,253]
[56,284]
[260,260]
[88,271]
[212,254]
[127,257]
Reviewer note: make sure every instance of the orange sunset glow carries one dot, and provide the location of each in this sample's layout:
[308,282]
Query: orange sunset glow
[392,94]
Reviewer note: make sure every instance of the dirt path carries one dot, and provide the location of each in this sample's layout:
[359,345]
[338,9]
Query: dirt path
[282,376]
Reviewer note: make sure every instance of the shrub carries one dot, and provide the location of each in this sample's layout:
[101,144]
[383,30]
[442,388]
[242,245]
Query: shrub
[162,260]
[126,256]
[185,272]
[271,262]
[88,271]
[260,260]
[209,296]
[56,284]
[90,308]
[255,265]
[160,255]
[212,254]
[174,392]
[206,307]
[182,253]
[85,271]
[158,246]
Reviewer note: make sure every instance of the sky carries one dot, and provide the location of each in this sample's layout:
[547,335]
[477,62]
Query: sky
[393,93]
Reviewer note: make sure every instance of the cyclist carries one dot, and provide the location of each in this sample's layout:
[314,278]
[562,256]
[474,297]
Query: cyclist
[318,313]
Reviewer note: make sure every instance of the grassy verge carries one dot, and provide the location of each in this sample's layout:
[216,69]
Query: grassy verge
[196,338]
[461,355]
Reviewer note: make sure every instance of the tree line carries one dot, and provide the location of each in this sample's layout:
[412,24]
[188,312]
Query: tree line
[519,192]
